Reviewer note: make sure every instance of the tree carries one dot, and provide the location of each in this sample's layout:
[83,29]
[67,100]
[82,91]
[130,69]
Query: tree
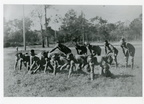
[32,38]
[13,31]
[136,28]
[47,20]
[118,31]
[68,25]
[38,13]
[101,30]
[41,13]
[74,26]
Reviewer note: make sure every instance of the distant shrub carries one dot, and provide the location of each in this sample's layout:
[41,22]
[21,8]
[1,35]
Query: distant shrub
[7,44]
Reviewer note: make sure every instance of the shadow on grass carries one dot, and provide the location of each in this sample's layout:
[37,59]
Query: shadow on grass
[121,76]
[77,73]
[80,72]
[62,71]
[123,66]
[129,66]
[96,76]
[112,76]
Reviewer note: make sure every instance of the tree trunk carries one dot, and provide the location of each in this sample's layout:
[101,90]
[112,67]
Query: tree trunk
[43,44]
[46,24]
[47,42]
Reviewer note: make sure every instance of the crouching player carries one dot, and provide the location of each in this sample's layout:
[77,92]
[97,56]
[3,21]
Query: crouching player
[39,61]
[20,59]
[110,50]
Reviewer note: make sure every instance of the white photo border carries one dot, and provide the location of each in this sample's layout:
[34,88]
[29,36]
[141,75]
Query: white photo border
[65,100]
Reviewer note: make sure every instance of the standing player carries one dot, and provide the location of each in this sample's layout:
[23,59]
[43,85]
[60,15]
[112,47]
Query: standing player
[128,50]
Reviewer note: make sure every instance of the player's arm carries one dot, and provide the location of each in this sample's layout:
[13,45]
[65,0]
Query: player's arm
[90,48]
[32,65]
[123,50]
[105,49]
[54,48]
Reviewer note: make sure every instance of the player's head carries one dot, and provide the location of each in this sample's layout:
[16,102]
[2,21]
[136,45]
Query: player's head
[122,41]
[32,52]
[58,42]
[106,42]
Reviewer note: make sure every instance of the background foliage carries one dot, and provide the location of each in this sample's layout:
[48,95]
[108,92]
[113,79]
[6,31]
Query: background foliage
[73,26]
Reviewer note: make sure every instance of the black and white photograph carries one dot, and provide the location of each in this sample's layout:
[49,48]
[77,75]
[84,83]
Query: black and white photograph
[53,50]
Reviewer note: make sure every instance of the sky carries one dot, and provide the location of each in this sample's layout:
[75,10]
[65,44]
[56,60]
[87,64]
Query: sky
[112,13]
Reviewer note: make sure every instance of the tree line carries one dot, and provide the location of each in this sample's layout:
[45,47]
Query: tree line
[73,26]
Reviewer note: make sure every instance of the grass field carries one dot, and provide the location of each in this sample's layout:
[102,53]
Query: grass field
[125,83]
